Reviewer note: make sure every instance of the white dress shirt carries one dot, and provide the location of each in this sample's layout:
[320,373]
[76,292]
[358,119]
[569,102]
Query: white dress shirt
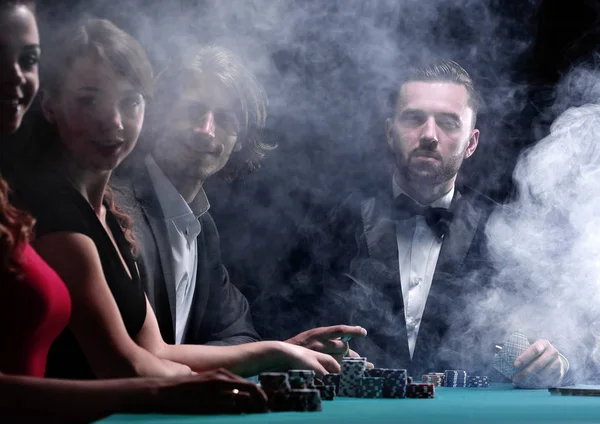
[181,220]
[418,252]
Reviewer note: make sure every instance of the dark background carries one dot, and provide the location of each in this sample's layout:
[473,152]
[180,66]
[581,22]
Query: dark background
[327,67]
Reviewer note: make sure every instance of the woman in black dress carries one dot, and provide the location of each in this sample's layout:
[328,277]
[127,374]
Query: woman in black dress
[94,97]
[32,295]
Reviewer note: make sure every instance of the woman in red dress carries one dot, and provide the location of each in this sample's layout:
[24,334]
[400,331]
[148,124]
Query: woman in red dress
[35,305]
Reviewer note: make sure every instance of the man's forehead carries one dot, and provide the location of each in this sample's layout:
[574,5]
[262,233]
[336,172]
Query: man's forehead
[434,95]
[209,90]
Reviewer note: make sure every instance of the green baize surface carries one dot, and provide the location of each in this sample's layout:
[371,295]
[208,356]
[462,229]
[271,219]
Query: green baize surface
[499,403]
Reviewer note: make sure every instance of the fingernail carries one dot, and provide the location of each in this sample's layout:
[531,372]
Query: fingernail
[517,364]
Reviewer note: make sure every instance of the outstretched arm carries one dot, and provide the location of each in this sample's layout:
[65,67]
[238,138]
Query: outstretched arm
[97,324]
[31,399]
[245,360]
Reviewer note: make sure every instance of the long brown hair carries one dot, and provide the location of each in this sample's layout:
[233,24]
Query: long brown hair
[123,54]
[15,225]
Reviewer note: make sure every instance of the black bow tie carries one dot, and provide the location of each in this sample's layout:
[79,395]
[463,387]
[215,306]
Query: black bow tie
[438,219]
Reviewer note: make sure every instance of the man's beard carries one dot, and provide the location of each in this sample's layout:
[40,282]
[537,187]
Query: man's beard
[425,173]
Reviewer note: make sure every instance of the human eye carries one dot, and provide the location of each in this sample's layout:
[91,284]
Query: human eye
[448,122]
[29,61]
[411,118]
[131,104]
[228,121]
[87,101]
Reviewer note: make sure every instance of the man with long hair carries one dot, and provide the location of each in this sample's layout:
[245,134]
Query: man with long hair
[208,117]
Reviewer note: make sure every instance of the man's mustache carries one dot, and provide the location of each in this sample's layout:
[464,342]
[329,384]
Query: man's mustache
[425,153]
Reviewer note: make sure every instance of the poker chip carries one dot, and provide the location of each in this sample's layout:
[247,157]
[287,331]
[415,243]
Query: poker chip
[332,379]
[478,381]
[278,401]
[455,378]
[297,382]
[353,369]
[275,381]
[371,387]
[305,400]
[420,391]
[437,379]
[277,388]
[307,375]
[395,384]
[327,392]
[395,381]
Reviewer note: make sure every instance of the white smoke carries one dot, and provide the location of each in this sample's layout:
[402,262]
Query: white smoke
[545,243]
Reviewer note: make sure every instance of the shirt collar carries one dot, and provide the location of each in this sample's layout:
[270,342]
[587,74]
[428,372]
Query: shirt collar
[442,202]
[172,203]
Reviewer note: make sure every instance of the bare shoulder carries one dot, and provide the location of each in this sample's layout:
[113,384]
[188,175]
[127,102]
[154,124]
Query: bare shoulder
[73,256]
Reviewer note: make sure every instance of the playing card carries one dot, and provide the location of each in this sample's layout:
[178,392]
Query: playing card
[512,348]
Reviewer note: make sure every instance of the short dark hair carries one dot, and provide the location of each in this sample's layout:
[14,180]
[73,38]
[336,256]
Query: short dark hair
[251,98]
[440,71]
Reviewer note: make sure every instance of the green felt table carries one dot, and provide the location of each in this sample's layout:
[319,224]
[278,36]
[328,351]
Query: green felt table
[499,403]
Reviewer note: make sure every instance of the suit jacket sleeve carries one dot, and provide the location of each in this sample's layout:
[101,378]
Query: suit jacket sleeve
[227,319]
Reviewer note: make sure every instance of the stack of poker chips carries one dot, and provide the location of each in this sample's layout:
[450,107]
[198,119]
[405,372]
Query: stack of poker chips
[297,382]
[456,378]
[436,378]
[420,390]
[395,381]
[332,379]
[371,387]
[304,400]
[304,395]
[327,392]
[353,369]
[307,376]
[283,397]
[478,381]
[277,388]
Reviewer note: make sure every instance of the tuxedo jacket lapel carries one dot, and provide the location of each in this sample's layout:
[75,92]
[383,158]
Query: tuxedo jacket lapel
[446,289]
[383,274]
[380,238]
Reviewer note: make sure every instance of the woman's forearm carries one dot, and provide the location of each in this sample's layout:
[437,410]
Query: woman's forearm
[31,399]
[244,360]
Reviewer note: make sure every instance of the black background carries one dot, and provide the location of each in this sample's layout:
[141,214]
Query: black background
[326,112]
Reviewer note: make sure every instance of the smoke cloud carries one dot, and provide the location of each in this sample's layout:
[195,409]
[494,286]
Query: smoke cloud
[545,242]
[327,67]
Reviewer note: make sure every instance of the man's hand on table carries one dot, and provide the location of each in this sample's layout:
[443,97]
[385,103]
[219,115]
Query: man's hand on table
[330,340]
[540,366]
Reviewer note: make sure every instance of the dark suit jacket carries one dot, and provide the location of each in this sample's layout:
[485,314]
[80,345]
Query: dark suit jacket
[220,313]
[354,259]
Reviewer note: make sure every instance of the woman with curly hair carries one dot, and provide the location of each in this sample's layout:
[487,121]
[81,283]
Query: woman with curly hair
[97,82]
[35,304]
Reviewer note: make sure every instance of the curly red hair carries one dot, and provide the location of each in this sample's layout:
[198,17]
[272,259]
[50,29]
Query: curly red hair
[15,232]
[125,222]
